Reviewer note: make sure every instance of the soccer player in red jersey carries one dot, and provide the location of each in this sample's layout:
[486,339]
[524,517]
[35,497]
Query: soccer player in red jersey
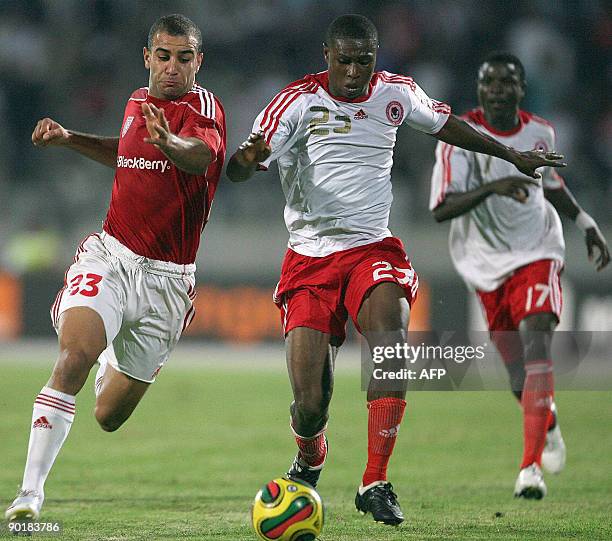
[506,241]
[333,135]
[129,294]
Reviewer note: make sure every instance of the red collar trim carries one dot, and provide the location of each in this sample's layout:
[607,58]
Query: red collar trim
[323,79]
[478,116]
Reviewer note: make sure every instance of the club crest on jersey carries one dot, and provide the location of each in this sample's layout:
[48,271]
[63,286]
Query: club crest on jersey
[395,112]
[126,126]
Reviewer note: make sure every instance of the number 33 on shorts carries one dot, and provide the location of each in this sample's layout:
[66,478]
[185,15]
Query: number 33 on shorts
[84,284]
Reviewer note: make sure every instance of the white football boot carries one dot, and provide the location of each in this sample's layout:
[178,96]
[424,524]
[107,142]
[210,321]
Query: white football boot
[553,456]
[530,483]
[26,506]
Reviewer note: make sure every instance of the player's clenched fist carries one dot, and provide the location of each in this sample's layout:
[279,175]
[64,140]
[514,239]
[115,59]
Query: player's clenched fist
[254,150]
[49,132]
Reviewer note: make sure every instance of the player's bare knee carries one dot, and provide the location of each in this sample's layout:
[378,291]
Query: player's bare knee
[70,371]
[310,411]
[536,335]
[543,322]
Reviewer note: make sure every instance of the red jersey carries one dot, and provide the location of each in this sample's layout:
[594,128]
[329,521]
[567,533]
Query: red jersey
[156,209]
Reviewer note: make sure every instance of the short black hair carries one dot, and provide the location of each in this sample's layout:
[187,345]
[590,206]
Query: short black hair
[501,57]
[351,26]
[175,25]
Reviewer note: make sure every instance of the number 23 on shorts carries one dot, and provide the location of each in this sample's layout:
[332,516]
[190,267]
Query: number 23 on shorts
[85,284]
[402,276]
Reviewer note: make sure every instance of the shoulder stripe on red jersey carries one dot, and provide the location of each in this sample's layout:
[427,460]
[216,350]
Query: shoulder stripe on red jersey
[210,103]
[202,104]
[213,106]
[207,105]
[207,101]
[279,105]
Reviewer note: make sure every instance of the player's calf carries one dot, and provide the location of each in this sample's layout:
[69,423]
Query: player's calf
[118,399]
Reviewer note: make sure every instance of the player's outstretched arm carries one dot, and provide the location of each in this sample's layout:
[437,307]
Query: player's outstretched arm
[459,133]
[101,149]
[565,203]
[456,204]
[249,155]
[189,154]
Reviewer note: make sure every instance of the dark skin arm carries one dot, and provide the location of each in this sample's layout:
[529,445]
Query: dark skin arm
[101,149]
[188,153]
[244,161]
[565,203]
[456,204]
[458,133]
[455,132]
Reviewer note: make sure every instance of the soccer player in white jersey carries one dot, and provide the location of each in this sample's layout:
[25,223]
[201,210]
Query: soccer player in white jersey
[507,243]
[333,134]
[129,294]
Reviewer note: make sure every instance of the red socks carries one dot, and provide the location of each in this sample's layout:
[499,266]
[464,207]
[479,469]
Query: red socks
[384,419]
[313,450]
[536,401]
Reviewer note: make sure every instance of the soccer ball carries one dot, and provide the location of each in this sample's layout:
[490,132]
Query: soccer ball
[286,510]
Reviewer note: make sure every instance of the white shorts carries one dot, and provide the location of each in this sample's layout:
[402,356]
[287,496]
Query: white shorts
[145,304]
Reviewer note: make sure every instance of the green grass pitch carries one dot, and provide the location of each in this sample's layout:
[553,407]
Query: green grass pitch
[204,440]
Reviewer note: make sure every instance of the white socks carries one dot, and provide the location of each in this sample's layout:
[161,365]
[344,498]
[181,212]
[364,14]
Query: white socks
[52,418]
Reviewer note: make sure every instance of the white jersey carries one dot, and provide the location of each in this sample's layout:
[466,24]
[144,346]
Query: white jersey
[500,234]
[335,156]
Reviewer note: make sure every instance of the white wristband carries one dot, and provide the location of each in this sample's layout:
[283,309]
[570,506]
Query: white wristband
[584,221]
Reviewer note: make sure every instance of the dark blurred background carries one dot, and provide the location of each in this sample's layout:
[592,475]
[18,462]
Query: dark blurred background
[77,61]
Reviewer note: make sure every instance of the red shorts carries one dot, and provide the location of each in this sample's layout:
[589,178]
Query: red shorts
[321,292]
[532,289]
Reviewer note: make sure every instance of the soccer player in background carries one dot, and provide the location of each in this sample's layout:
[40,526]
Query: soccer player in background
[333,135]
[129,294]
[506,242]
